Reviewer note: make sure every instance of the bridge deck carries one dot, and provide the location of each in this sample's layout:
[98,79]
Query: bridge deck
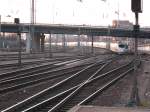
[73,29]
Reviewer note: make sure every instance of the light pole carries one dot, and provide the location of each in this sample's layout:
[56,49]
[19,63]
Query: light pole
[118,14]
[50,45]
[0,30]
[17,22]
[136,7]
[0,26]
[53,9]
[107,40]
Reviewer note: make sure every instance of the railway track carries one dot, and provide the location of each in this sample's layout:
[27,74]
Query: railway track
[14,64]
[65,84]
[10,57]
[55,91]
[17,83]
[10,82]
[83,91]
[43,67]
[31,70]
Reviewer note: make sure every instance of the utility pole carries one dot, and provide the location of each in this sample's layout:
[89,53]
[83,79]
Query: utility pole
[33,12]
[78,39]
[92,44]
[0,26]
[0,32]
[32,23]
[136,34]
[118,14]
[17,22]
[50,45]
[64,42]
[136,7]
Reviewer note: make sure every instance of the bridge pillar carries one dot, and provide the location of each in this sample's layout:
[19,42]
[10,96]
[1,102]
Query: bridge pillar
[32,42]
[28,42]
[56,41]
[78,41]
[4,41]
[42,42]
[64,42]
[92,45]
[50,45]
[107,45]
[36,42]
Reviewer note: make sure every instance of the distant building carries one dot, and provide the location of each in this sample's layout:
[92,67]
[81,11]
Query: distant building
[122,24]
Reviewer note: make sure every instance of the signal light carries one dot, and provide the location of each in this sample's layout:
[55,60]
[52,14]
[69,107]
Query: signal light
[136,5]
[16,20]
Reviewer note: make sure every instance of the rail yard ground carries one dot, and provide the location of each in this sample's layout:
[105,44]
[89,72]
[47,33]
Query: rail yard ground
[117,95]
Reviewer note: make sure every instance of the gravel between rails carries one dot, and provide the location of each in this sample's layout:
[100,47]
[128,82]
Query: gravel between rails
[12,98]
[9,99]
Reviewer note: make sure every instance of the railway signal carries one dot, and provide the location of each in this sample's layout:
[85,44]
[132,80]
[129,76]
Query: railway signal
[136,6]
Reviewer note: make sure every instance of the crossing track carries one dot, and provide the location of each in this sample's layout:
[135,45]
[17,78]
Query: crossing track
[83,92]
[6,65]
[22,82]
[28,77]
[57,90]
[34,69]
[65,84]
[69,98]
[46,66]
[14,56]
[10,57]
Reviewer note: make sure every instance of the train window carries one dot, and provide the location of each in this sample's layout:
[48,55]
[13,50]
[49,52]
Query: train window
[121,46]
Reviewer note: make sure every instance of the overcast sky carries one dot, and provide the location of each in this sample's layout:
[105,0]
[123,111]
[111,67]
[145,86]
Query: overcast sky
[90,12]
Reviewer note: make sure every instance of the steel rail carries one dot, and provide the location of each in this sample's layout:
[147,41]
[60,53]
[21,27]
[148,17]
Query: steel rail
[57,106]
[71,89]
[35,81]
[105,87]
[48,89]
[79,86]
[31,70]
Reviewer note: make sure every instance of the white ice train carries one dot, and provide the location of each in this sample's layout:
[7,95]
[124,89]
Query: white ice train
[122,48]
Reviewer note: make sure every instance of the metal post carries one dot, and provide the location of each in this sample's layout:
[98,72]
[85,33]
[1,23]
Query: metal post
[56,43]
[118,15]
[135,100]
[0,27]
[79,35]
[17,22]
[42,37]
[92,44]
[50,45]
[0,34]
[108,39]
[136,31]
[3,39]
[64,42]
[19,52]
[32,12]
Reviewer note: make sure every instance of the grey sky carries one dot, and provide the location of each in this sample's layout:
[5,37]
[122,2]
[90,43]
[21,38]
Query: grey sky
[91,12]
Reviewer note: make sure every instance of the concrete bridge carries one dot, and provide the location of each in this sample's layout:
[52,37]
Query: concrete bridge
[35,32]
[72,29]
